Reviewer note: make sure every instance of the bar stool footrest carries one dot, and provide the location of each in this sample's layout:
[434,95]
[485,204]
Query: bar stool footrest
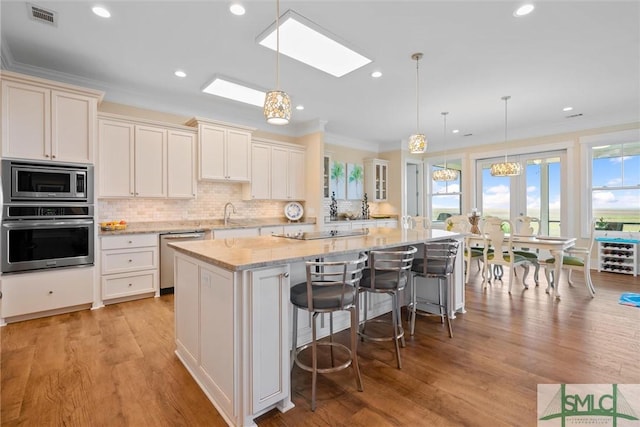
[308,368]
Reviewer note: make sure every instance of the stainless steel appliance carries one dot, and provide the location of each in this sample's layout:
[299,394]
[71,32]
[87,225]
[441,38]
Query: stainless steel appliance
[329,234]
[46,181]
[35,237]
[167,253]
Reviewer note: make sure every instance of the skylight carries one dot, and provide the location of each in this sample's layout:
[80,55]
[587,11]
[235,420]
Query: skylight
[224,87]
[311,44]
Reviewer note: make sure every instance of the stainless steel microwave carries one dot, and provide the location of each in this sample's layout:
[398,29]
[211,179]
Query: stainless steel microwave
[46,181]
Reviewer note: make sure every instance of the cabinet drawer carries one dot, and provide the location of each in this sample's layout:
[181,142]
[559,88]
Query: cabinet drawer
[129,241]
[120,285]
[42,291]
[128,260]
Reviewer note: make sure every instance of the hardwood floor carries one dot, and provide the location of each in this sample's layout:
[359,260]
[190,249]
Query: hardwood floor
[115,366]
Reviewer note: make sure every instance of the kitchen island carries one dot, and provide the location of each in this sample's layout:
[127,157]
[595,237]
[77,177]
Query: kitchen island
[232,311]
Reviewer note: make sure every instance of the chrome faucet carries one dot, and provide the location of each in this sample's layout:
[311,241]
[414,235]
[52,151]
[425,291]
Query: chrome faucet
[227,215]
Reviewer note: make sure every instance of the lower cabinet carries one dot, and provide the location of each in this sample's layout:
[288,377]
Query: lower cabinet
[44,293]
[129,265]
[231,337]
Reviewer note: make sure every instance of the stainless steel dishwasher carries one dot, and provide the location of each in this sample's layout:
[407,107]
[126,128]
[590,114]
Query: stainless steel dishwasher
[166,256]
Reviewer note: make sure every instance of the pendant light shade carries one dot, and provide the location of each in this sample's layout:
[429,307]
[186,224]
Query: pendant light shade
[445,174]
[277,104]
[417,141]
[506,168]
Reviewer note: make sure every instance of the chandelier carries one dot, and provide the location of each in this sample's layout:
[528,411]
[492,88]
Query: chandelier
[445,174]
[277,104]
[417,141]
[506,168]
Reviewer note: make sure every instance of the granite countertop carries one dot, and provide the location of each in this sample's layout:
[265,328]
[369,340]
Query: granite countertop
[255,252]
[203,225]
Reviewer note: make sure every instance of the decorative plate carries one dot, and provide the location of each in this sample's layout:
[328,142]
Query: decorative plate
[293,211]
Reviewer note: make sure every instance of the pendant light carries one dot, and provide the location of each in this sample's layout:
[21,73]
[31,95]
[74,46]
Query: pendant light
[417,141]
[277,104]
[445,174]
[506,168]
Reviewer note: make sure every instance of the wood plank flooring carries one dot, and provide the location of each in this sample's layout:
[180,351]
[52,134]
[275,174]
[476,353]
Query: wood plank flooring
[116,367]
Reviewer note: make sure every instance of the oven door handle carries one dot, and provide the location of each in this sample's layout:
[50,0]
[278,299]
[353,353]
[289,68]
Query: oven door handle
[31,224]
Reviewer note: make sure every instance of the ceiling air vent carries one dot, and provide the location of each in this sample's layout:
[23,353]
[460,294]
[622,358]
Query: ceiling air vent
[43,15]
[572,116]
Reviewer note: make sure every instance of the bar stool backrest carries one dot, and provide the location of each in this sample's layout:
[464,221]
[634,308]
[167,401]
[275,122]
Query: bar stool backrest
[439,258]
[343,275]
[386,262]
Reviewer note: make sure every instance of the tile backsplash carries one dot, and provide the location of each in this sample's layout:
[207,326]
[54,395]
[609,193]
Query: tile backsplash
[212,196]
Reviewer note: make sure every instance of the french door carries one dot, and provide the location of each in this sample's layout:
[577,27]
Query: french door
[538,192]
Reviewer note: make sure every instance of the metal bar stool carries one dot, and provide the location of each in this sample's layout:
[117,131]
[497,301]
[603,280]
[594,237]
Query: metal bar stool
[438,261]
[331,286]
[388,273]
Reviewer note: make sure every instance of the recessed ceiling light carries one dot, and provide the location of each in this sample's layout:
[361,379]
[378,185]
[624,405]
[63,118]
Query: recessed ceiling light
[300,107]
[101,12]
[224,87]
[311,44]
[376,74]
[567,109]
[180,73]
[237,9]
[523,10]
[455,131]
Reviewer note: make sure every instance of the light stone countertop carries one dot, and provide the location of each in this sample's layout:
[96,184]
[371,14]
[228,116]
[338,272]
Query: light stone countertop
[203,225]
[254,252]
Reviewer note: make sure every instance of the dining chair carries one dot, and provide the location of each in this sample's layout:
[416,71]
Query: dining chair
[461,224]
[420,223]
[494,237]
[577,258]
[437,261]
[330,286]
[388,273]
[528,226]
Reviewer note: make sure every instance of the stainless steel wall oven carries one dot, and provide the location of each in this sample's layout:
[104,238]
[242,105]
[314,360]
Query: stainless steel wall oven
[39,237]
[47,215]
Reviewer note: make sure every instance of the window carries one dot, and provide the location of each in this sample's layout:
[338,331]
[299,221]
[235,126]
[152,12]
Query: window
[446,197]
[615,186]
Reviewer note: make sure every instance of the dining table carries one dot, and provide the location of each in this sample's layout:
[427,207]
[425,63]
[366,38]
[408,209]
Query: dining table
[556,245]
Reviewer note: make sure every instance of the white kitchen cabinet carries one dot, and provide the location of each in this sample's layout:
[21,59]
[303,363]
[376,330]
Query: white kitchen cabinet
[181,162]
[376,179]
[46,120]
[277,171]
[47,292]
[145,159]
[150,161]
[224,151]
[231,336]
[129,265]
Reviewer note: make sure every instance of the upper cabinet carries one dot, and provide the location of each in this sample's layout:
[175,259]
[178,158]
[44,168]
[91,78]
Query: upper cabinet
[277,171]
[224,151]
[145,159]
[46,120]
[376,175]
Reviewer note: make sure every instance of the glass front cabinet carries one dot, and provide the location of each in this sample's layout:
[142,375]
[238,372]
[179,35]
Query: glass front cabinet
[376,172]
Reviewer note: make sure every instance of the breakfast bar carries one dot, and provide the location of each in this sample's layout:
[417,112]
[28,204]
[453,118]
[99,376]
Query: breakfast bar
[232,311]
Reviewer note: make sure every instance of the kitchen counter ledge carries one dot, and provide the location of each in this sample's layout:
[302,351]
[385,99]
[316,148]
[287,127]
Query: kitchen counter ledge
[203,225]
[256,252]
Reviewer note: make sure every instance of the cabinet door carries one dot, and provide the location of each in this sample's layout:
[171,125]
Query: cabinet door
[279,173]
[260,171]
[26,121]
[211,152]
[72,127]
[238,156]
[296,175]
[269,314]
[180,164]
[115,158]
[381,181]
[150,161]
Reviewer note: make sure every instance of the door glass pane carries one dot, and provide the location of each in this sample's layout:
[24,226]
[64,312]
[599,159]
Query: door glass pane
[496,194]
[543,191]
